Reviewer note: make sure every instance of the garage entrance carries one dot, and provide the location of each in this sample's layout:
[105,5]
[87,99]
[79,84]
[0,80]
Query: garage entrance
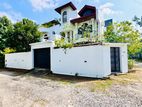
[42,58]
[115,59]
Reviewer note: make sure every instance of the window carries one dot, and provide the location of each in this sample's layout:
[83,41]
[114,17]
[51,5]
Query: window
[64,17]
[53,33]
[88,12]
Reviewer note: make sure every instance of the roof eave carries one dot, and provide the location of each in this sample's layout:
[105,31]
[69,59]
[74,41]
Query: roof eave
[64,6]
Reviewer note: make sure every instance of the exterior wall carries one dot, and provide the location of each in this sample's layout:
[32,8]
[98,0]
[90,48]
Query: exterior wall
[71,14]
[56,29]
[123,55]
[49,31]
[124,59]
[40,45]
[73,62]
[19,60]
[89,61]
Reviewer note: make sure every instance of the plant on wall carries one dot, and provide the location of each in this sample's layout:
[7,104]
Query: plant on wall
[62,35]
[60,43]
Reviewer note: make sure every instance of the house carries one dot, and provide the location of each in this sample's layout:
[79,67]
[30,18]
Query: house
[72,25]
[98,60]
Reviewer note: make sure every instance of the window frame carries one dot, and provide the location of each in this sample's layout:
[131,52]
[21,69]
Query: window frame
[64,17]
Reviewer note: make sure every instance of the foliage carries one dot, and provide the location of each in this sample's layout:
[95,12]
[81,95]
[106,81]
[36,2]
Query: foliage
[85,30]
[62,34]
[5,26]
[86,34]
[16,37]
[138,21]
[60,43]
[131,63]
[124,32]
[9,50]
[23,33]
[67,45]
[50,24]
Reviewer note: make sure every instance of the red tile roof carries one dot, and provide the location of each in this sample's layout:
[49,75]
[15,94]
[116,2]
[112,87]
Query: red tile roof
[64,6]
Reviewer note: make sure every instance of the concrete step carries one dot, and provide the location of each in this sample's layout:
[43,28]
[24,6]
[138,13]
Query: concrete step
[40,72]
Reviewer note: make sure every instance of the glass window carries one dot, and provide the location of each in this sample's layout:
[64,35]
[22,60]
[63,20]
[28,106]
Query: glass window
[64,17]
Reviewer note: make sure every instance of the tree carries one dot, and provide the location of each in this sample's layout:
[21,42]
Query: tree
[5,26]
[124,32]
[138,21]
[22,34]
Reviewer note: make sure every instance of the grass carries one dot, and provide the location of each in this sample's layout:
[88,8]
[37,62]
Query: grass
[98,84]
[101,85]
[122,79]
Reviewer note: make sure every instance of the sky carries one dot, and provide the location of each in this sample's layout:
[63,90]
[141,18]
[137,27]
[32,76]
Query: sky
[42,11]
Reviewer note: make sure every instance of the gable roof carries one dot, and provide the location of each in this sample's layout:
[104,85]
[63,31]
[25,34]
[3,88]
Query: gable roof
[86,7]
[64,6]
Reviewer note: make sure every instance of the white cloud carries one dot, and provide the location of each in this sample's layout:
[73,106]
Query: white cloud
[106,10]
[12,15]
[95,1]
[39,5]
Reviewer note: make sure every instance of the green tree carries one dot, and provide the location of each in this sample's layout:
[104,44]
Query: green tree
[138,21]
[22,34]
[5,26]
[124,32]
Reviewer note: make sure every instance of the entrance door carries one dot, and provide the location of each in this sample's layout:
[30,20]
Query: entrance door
[42,58]
[115,59]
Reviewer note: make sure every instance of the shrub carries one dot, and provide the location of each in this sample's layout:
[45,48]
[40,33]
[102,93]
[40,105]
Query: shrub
[67,45]
[8,50]
[131,63]
[60,43]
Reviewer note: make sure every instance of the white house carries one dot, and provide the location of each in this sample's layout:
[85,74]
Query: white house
[97,60]
[72,24]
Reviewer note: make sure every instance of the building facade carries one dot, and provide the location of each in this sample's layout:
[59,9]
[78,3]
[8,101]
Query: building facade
[73,25]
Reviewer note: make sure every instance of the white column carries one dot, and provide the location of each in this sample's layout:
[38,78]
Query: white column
[76,33]
[66,37]
[93,27]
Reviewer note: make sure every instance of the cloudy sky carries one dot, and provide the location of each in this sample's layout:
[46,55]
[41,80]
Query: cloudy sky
[43,10]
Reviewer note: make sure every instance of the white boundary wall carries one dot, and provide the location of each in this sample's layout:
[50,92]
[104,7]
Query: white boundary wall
[89,61]
[123,55]
[19,60]
[40,45]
